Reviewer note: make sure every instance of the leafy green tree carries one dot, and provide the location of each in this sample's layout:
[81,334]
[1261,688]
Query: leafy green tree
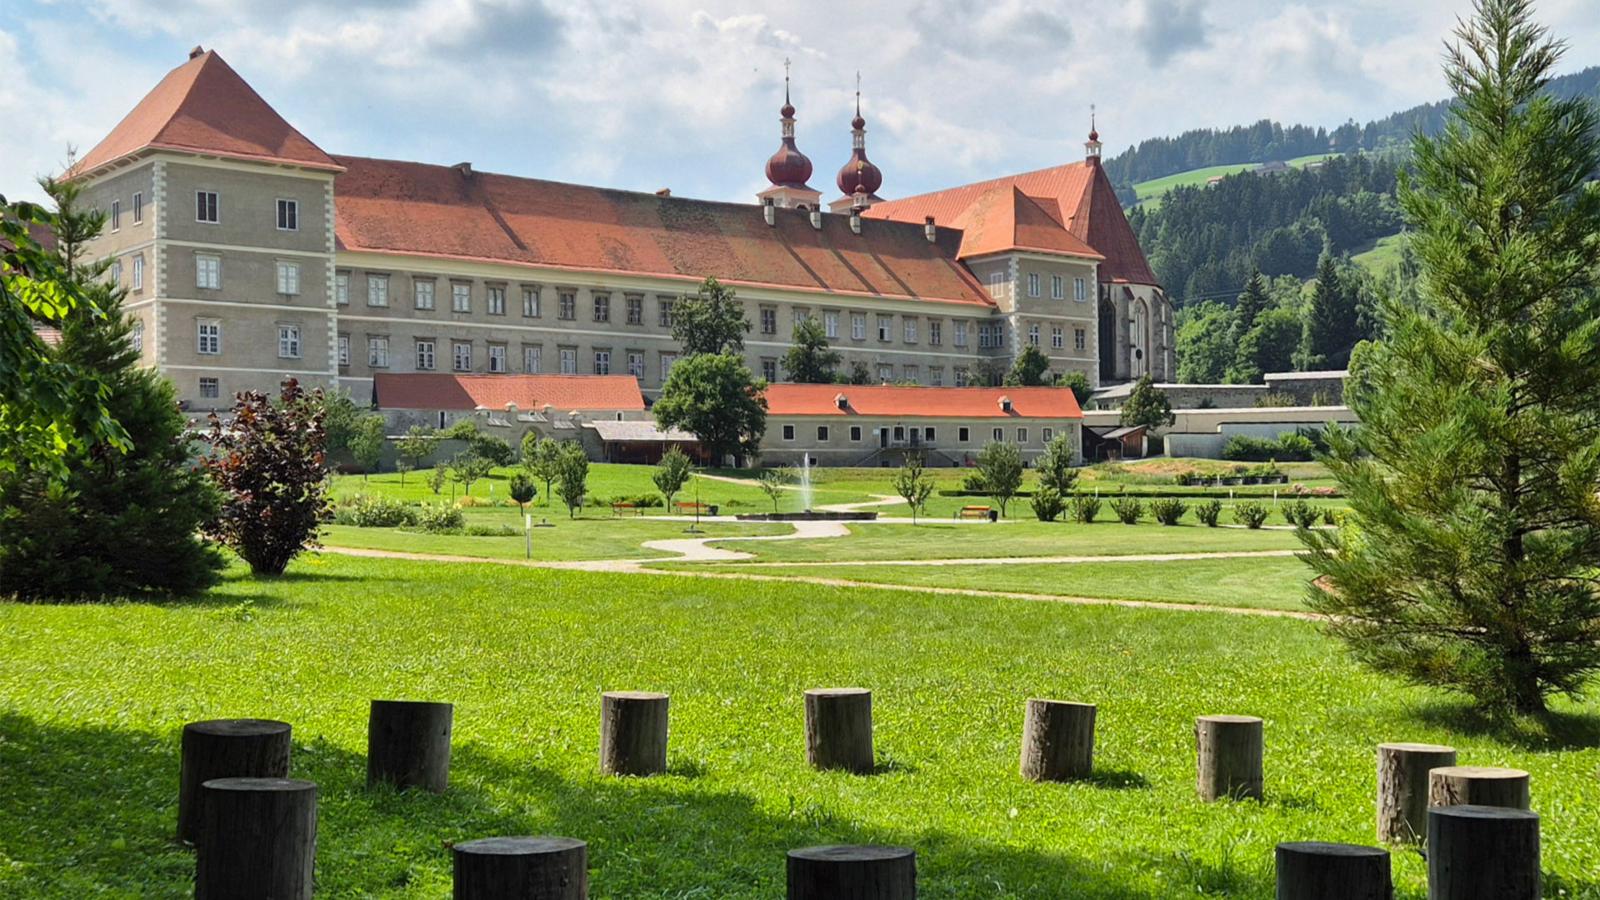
[913,484]
[491,447]
[1268,347]
[572,475]
[715,398]
[1054,465]
[809,359]
[1047,504]
[1000,468]
[1474,533]
[1147,405]
[774,483]
[1078,383]
[366,443]
[1031,368]
[523,490]
[341,417]
[711,320]
[542,458]
[859,373]
[413,447]
[467,467]
[437,477]
[672,473]
[1205,342]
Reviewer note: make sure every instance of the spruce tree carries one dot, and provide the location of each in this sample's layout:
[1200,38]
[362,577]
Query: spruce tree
[1474,529]
[1332,324]
[1251,302]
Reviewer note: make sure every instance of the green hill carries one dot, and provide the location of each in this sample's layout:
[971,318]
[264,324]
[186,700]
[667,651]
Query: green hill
[1150,192]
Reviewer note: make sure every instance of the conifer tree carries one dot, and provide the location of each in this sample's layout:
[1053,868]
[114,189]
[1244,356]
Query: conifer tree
[1474,533]
[1332,320]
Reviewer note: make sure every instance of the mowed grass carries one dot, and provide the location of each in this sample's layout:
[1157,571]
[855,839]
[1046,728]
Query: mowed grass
[92,699]
[1150,192]
[1381,255]
[565,540]
[1269,583]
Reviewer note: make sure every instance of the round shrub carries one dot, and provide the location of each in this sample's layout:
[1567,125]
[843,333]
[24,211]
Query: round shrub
[375,512]
[439,518]
[1250,514]
[1168,510]
[1129,510]
[1208,511]
[1084,507]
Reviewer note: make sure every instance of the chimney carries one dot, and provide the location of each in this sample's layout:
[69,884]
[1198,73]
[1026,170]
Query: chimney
[928,230]
[855,220]
[664,192]
[197,51]
[769,211]
[816,219]
[841,401]
[465,168]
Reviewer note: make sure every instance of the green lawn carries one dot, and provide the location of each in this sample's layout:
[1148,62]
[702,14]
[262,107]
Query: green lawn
[1150,192]
[1379,256]
[92,698]
[567,539]
[936,539]
[606,480]
[1271,583]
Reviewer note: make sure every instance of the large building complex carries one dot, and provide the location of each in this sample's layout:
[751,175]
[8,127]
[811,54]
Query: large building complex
[250,254]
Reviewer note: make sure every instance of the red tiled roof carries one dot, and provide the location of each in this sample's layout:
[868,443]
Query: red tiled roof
[387,206]
[531,393]
[1003,218]
[922,402]
[203,106]
[1077,197]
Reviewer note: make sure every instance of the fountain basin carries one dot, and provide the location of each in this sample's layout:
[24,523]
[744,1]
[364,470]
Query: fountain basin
[810,515]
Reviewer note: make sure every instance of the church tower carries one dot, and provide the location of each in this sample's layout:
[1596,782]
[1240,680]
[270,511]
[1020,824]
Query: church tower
[788,170]
[858,179]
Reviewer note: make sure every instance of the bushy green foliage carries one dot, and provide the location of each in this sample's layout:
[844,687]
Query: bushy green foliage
[1147,405]
[542,458]
[572,474]
[1208,512]
[1000,467]
[672,473]
[523,490]
[1031,368]
[437,478]
[1054,465]
[1084,508]
[368,511]
[366,443]
[414,446]
[710,321]
[439,518]
[913,485]
[1129,510]
[1290,447]
[715,398]
[775,483]
[1047,503]
[1251,513]
[467,468]
[809,359]
[1299,513]
[1078,383]
[1168,510]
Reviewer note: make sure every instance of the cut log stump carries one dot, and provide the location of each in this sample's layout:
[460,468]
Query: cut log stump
[853,873]
[1403,788]
[521,868]
[633,733]
[256,840]
[839,729]
[1057,740]
[1229,750]
[1478,786]
[1313,870]
[1483,851]
[408,744]
[226,748]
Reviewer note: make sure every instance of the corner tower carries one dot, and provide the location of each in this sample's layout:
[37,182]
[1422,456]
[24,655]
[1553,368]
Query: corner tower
[788,169]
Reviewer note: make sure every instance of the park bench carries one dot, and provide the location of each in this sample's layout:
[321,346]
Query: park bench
[617,509]
[973,512]
[688,508]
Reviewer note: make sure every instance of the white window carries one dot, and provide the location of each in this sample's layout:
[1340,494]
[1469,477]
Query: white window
[769,370]
[136,336]
[530,358]
[1022,435]
[530,302]
[635,309]
[568,305]
[210,389]
[664,305]
[377,290]
[1047,434]
[936,376]
[769,320]
[602,362]
[497,300]
[935,332]
[1080,339]
[425,356]
[911,330]
[962,376]
[116,215]
[138,272]
[497,358]
[569,360]
[461,298]
[341,288]
[830,324]
[138,207]
[858,326]
[1057,342]
[288,341]
[1033,335]
[344,349]
[116,271]
[999,434]
[788,432]
[961,334]
[1080,289]
[461,356]
[206,208]
[602,307]
[422,292]
[378,352]
[1033,284]
[209,337]
[288,215]
[668,360]
[997,284]
[1057,289]
[885,373]
[910,374]
[288,278]
[801,314]
[207,271]
[636,364]
[885,328]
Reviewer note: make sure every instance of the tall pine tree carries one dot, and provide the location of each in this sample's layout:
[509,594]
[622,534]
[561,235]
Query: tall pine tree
[1332,321]
[1474,534]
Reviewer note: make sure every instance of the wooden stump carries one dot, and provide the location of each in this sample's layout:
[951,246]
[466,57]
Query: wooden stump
[256,840]
[1478,786]
[1312,870]
[839,729]
[633,733]
[853,873]
[1403,788]
[521,868]
[226,748]
[1483,851]
[1229,750]
[408,744]
[1057,740]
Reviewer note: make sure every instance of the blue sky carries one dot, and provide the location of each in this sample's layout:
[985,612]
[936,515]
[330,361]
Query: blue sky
[684,95]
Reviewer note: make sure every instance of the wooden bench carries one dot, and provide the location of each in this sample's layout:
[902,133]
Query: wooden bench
[618,508]
[973,512]
[687,508]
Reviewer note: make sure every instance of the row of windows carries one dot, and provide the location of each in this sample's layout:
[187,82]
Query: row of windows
[1035,281]
[1080,337]
[208,274]
[208,338]
[208,210]
[138,211]
[426,355]
[885,372]
[926,434]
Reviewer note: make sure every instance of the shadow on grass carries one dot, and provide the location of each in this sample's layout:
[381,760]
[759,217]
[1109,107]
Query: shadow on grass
[1554,730]
[92,810]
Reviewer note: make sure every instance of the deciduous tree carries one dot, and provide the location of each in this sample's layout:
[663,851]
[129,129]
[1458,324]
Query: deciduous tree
[1147,405]
[715,398]
[671,474]
[809,360]
[711,320]
[572,469]
[1000,468]
[366,443]
[913,484]
[1031,368]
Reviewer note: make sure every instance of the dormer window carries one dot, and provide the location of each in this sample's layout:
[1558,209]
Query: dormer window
[841,401]
[1005,404]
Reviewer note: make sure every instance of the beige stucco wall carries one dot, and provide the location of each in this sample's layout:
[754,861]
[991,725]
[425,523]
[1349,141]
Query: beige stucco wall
[947,446]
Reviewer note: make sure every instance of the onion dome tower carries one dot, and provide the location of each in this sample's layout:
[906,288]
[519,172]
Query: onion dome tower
[1091,148]
[859,179]
[788,170]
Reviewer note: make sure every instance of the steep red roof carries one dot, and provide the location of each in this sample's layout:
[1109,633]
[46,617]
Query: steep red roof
[921,402]
[432,390]
[387,206]
[203,106]
[1003,218]
[1077,197]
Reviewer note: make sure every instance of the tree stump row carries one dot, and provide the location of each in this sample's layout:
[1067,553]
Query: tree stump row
[1478,786]
[1229,750]
[1313,870]
[1403,788]
[633,733]
[1057,740]
[226,748]
[839,729]
[256,840]
[1483,851]
[521,868]
[852,873]
[408,744]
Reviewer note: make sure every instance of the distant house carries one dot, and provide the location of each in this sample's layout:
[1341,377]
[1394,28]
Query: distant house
[1215,179]
[1276,167]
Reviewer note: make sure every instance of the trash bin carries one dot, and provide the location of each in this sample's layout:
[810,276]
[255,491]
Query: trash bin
[994,515]
[712,509]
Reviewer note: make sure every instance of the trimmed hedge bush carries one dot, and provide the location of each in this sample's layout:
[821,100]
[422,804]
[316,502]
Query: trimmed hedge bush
[1251,514]
[1129,510]
[1208,512]
[1168,510]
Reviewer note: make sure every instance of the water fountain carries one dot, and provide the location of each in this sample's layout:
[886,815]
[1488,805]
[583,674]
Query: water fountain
[808,514]
[805,482]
